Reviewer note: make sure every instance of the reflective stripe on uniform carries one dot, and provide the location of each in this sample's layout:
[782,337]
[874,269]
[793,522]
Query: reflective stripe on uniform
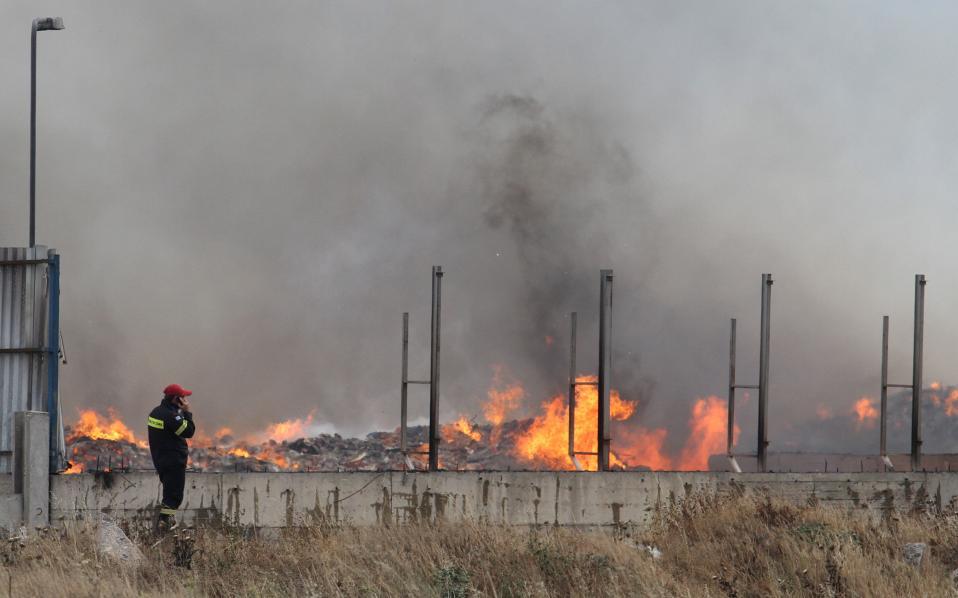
[182,427]
[154,423]
[167,511]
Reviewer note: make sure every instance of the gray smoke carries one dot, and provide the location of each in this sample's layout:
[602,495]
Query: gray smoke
[248,196]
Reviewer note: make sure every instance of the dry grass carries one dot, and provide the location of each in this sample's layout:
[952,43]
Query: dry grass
[711,547]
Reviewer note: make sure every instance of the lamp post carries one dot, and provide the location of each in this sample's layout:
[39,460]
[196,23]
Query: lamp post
[39,24]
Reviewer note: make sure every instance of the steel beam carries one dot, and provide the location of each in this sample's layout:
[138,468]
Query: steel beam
[763,373]
[404,393]
[605,368]
[572,323]
[434,369]
[882,441]
[731,390]
[917,362]
[53,361]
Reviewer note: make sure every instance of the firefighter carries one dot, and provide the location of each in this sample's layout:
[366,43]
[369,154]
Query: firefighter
[169,425]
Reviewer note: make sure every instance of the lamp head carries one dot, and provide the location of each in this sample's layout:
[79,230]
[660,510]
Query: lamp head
[48,24]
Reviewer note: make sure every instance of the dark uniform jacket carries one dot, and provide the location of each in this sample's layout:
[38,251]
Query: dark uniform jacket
[169,427]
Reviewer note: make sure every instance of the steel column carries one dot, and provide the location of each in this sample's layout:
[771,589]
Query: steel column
[917,360]
[882,445]
[33,133]
[572,323]
[605,368]
[763,373]
[434,369]
[53,360]
[404,393]
[731,390]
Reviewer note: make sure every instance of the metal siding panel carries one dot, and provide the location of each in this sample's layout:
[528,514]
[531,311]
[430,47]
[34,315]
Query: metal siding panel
[23,324]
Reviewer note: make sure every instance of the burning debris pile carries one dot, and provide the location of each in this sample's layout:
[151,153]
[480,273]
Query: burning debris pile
[462,448]
[97,442]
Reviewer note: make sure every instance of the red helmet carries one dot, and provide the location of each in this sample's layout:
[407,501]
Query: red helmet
[177,391]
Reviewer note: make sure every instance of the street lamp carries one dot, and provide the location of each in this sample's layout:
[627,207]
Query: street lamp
[39,24]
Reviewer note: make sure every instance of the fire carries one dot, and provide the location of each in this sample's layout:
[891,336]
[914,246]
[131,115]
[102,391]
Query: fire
[74,468]
[865,410]
[221,436]
[290,429]
[502,398]
[546,441]
[936,385]
[461,426]
[269,453]
[643,447]
[238,452]
[92,425]
[822,412]
[951,403]
[708,429]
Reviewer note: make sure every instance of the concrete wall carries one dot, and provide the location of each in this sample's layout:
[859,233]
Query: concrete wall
[519,498]
[31,472]
[836,462]
[24,494]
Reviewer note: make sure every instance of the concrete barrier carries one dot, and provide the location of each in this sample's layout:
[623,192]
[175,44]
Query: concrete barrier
[25,502]
[275,500]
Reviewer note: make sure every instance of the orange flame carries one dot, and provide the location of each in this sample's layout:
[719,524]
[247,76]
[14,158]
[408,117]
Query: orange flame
[822,412]
[461,426]
[546,441]
[865,410]
[92,425]
[238,452]
[936,385]
[643,447]
[951,403]
[290,429]
[502,398]
[269,453]
[74,468]
[708,429]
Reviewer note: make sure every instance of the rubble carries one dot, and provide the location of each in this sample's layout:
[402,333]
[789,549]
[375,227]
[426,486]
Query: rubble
[378,451]
[114,544]
[914,552]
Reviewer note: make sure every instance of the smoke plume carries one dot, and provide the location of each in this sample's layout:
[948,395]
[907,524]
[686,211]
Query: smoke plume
[248,197]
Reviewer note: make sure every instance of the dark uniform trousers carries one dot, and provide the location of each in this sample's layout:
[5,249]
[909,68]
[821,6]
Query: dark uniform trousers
[168,428]
[173,480]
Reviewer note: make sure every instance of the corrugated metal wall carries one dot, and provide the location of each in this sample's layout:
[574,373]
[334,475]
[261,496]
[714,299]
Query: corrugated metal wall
[23,325]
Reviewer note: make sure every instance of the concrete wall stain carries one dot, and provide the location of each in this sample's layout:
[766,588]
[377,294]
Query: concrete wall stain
[616,513]
[440,501]
[425,508]
[535,504]
[233,506]
[856,499]
[557,500]
[920,504]
[290,496]
[332,504]
[886,498]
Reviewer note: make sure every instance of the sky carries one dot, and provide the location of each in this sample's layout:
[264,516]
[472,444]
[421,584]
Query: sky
[248,195]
